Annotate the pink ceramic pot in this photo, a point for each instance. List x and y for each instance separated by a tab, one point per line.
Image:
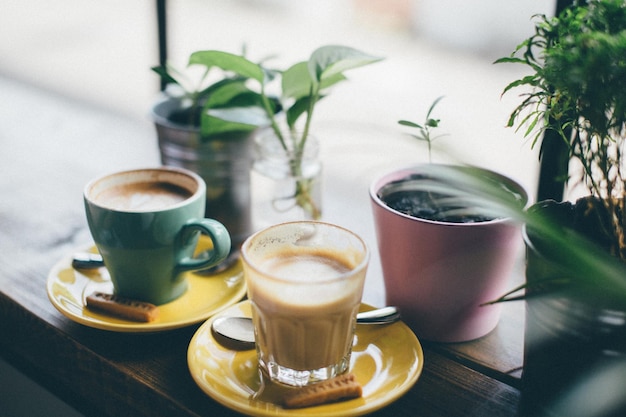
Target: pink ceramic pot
439	273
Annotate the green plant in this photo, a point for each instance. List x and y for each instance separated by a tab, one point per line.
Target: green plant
590	265
301	86
215	88
425	129
577	84
438	202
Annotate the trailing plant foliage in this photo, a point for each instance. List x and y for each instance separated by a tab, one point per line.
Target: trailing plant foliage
583	264
577	88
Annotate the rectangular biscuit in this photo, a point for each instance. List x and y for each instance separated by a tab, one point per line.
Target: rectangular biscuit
123	307
342	387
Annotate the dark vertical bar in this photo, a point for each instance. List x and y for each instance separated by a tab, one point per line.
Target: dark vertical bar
162	31
553	167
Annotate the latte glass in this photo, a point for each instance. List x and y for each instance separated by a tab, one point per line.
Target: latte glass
146	224
305	283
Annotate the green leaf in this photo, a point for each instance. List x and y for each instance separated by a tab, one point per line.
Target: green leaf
510	60
228	62
410	124
251	116
527	80
332	80
228	92
433	122
165	75
243	119
331	60
296	81
422	138
212	126
430	110
300	107
218	85
531	126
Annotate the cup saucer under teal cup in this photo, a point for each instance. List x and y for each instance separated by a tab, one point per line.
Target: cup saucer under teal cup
147	252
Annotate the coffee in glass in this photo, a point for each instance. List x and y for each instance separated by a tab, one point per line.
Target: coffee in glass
305	282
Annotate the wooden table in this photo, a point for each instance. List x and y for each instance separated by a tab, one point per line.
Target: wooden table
49	148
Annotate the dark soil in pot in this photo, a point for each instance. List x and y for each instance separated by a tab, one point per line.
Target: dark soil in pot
407	197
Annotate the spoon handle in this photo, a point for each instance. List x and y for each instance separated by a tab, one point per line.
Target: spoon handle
379	316
87	261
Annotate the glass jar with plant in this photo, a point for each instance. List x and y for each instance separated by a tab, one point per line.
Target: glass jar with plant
300	87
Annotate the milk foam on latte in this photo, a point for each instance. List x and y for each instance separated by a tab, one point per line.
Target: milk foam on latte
142	196
304	267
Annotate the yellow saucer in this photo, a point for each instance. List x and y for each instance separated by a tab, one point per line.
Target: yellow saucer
207	294
386	360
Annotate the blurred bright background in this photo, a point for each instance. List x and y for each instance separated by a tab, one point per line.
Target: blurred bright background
99	53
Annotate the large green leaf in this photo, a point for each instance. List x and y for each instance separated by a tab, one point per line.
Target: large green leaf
233	119
297	82
232	94
331	80
249	116
210	89
328	61
213	126
228	62
300	107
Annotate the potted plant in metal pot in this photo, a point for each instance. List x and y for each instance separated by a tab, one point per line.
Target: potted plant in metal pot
286	157
220	151
443	256
576	91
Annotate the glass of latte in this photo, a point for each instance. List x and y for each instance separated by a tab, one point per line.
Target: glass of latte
305	283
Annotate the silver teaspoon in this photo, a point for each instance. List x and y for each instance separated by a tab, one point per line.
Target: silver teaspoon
238	332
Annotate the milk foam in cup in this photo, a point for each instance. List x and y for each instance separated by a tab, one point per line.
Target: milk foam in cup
305	283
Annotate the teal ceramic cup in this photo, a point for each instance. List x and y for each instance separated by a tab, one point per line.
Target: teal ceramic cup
146	224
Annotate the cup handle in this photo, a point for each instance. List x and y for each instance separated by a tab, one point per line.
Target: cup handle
219	237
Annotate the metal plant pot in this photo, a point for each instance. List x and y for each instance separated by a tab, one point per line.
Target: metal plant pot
223	162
